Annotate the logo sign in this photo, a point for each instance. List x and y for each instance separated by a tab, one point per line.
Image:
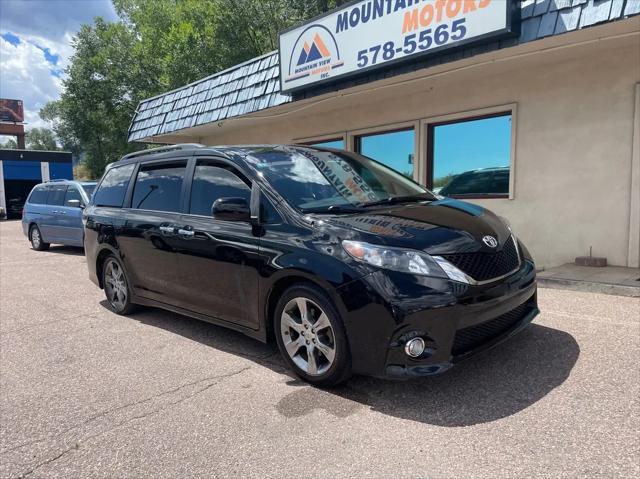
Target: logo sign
490	241
11	111
371	34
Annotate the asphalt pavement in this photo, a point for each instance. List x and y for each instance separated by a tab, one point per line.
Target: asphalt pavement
87	393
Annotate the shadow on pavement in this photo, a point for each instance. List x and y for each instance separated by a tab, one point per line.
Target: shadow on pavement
69	250
485	388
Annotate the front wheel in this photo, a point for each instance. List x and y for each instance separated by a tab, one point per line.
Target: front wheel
116	287
311	336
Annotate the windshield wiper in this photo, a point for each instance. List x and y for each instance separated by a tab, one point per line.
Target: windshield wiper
391	200
333	209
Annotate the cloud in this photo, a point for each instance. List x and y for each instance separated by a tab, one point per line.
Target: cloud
35	47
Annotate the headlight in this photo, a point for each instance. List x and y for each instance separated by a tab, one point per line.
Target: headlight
403	260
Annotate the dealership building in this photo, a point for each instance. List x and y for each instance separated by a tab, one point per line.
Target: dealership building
530	108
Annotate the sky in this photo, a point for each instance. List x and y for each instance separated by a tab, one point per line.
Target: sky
35	47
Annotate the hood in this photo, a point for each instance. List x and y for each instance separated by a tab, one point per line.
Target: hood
439	227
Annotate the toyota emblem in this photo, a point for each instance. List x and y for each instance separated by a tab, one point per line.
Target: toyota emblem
490	241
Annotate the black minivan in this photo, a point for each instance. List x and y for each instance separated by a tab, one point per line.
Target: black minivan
350	266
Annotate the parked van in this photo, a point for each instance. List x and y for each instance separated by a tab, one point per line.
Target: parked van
349	265
53	213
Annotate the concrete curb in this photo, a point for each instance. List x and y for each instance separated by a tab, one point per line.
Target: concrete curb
590	287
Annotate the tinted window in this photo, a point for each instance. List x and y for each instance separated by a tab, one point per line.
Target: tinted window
158	187
113	186
472	157
39	196
211	182
394	149
72	194
56	195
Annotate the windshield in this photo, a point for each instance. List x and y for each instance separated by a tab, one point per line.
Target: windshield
88	188
313	180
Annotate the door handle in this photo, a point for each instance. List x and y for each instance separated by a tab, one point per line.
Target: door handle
167	229
187	233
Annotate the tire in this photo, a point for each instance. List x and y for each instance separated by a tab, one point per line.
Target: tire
116	286
318	354
36	239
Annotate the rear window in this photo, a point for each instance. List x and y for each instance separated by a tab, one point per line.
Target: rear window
113	187
56	195
38	196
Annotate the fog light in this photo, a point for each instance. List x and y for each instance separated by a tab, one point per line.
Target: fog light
414	347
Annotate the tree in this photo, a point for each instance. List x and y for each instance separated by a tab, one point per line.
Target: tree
10	144
41	139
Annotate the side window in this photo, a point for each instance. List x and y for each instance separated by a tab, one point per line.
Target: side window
113	186
72	194
158	187
211	182
56	195
39	195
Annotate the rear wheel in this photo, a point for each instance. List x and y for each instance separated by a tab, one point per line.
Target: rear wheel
36	239
116	286
311	336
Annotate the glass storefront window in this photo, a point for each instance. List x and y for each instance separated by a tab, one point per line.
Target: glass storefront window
330	144
471	158
394	149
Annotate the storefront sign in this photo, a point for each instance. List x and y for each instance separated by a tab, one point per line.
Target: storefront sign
371	34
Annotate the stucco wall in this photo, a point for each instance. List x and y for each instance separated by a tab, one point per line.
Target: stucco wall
573	150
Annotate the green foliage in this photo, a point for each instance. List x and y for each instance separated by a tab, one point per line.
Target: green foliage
10	144
157	45
41	139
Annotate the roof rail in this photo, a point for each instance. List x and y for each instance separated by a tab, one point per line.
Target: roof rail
163	149
59	179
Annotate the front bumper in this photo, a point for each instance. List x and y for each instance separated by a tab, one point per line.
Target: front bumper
385	309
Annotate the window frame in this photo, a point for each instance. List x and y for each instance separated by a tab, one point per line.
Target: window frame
53	187
312	140
41	187
238	169
427	127
126	192
355	138
219	163
134	176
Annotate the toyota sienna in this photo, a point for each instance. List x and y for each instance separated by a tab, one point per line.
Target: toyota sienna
348	265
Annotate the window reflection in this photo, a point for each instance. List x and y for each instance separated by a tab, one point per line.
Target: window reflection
314	180
472	157
394	149
159	188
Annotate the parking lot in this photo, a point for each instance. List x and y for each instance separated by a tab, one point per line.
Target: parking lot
86	393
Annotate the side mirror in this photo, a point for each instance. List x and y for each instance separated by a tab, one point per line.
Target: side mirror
75	204
231	209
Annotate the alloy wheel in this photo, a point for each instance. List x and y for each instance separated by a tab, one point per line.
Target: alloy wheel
115	285
35	238
308	336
